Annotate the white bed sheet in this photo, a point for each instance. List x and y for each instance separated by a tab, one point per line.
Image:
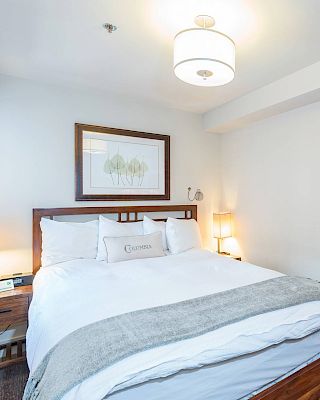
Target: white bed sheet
73	294
234	379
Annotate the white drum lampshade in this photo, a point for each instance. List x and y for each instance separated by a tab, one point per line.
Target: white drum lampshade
204	57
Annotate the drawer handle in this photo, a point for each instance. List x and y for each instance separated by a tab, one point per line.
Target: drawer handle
5	310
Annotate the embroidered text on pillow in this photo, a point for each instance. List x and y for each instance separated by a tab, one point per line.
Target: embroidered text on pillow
128	248
133	247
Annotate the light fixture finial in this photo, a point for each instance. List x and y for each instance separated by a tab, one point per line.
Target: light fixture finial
204	21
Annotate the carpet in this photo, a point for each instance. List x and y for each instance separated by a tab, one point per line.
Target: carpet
12	381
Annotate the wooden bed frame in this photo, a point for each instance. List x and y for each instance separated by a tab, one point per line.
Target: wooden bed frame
302	385
122	213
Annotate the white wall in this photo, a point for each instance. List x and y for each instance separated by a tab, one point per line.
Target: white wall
271	180
37	158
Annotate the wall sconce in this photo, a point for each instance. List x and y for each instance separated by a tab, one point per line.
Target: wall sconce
197	196
222	228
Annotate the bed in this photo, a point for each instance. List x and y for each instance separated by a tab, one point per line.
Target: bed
269	356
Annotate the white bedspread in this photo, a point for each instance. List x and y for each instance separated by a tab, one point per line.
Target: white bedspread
70	295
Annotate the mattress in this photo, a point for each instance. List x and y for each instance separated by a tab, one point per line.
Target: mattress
76	293
238	378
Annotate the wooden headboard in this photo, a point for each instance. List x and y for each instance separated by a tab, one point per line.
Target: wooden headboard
122	213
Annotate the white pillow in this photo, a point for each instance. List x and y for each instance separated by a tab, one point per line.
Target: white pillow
110	228
182	235
64	241
151	226
132	247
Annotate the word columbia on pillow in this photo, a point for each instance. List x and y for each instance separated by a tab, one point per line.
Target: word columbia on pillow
128	248
133	247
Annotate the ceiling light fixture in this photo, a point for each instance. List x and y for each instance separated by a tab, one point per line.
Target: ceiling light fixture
204	56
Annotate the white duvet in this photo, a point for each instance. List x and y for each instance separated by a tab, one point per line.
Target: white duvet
72	294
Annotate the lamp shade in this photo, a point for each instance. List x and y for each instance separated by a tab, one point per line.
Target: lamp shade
222	225
204	57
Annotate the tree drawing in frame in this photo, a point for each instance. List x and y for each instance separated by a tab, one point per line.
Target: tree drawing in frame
125	172
118	164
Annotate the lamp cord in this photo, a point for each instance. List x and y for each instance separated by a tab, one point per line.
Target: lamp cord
5	330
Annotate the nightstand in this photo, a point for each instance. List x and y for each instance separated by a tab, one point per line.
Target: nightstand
14	306
238	258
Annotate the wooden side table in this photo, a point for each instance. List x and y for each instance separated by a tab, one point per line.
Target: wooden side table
14	306
238	258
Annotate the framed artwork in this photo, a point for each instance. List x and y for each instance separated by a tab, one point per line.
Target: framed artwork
118	164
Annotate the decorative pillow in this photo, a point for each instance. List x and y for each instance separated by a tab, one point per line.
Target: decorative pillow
182	235
151	226
64	241
110	228
133	247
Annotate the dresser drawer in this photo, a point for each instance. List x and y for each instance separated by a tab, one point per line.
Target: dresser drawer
13	310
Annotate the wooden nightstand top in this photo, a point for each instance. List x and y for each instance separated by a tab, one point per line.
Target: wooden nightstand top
238	258
16	292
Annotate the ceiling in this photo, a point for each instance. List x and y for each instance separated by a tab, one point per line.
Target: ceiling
63	42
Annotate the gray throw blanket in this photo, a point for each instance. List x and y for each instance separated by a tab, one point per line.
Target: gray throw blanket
92	348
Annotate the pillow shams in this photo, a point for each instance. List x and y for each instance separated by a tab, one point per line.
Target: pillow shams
133	247
64	241
110	228
151	226
182	235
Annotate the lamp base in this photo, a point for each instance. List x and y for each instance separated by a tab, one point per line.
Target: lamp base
224	253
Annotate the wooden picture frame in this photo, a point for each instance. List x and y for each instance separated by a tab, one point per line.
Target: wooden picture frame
118	164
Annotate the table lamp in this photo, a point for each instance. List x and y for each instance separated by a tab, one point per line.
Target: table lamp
222	227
